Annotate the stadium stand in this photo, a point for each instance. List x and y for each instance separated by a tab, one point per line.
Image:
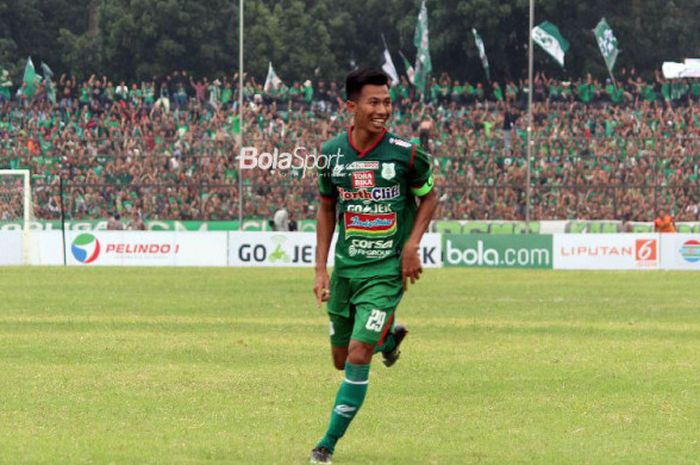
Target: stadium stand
167	150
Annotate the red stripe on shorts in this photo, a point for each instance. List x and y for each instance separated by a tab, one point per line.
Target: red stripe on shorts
386	329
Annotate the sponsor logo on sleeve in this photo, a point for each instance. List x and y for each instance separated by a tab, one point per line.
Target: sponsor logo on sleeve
370	225
400	142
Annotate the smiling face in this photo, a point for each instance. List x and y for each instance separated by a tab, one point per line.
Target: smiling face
371	109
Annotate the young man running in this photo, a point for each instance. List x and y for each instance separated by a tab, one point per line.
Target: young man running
372	189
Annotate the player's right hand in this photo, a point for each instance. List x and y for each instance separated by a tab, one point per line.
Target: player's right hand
322	287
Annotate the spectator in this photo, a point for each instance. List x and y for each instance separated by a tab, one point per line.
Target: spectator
281	219
664	223
114	223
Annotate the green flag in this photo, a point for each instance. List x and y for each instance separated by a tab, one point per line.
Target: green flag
547	36
482	52
48	83
409	68
30	79
420	40
607	43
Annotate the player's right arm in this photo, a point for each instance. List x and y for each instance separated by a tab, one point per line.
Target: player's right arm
325	225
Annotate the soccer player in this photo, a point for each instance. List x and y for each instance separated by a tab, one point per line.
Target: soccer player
380	188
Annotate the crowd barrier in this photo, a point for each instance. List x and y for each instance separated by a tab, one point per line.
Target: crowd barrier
647	251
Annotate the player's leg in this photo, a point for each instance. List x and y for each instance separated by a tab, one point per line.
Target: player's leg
341	331
341	315
374	303
340	355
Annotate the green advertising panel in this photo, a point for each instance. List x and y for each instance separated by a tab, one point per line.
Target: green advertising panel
156	225
484	227
497	250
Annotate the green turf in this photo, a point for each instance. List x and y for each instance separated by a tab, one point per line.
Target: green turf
227	366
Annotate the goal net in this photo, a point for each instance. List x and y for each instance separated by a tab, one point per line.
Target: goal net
16	209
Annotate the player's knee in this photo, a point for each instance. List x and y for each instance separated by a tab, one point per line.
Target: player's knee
360	353
339	364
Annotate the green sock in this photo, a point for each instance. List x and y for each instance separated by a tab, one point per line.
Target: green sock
388	344
348	401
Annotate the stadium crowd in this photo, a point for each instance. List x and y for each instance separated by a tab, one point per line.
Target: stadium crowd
166	149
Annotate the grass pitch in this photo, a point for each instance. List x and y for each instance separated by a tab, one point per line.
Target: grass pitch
231	366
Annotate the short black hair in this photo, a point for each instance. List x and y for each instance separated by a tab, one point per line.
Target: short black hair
359	78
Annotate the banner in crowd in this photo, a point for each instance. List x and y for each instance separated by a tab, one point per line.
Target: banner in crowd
690	68
606	251
680	252
497	251
299	249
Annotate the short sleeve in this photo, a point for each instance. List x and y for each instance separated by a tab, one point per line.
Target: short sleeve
420	172
325	184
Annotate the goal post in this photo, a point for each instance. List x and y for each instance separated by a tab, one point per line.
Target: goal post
16	205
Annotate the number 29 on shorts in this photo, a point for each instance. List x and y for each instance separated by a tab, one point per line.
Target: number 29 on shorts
375	322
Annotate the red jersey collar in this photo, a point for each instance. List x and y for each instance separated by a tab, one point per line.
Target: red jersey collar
362	153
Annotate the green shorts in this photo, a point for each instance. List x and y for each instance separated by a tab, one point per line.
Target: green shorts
363	308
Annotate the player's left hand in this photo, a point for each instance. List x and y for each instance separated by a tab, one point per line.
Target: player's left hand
410	265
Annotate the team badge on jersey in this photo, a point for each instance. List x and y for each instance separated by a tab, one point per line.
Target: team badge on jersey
388	171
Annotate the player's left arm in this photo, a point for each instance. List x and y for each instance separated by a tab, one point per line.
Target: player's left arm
421	182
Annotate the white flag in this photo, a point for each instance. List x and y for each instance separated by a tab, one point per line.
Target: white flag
389	67
272	80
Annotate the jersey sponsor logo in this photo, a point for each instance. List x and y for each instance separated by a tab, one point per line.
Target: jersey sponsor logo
371	208
362	165
370	248
362	179
400	142
375	194
388	171
370	244
373	225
